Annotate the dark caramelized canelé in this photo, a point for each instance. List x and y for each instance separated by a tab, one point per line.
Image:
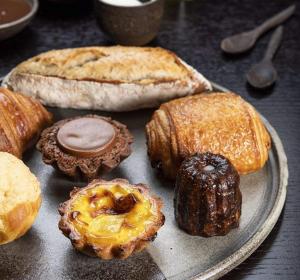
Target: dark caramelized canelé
207	195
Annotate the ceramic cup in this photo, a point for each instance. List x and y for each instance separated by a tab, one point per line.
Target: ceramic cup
130	25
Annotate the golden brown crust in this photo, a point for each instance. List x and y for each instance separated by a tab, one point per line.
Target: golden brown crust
114	65
21	120
109	251
113	78
19	220
20	198
221	123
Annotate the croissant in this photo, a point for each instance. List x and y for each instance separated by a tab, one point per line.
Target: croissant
21	121
221	123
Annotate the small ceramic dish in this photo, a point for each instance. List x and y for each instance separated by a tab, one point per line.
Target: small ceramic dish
10	29
130	25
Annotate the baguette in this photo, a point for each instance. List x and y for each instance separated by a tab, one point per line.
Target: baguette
106	78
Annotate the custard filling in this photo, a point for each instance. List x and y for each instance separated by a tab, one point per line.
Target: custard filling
111	214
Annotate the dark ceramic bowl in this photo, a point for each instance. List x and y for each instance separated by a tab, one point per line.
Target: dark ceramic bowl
10	29
133	26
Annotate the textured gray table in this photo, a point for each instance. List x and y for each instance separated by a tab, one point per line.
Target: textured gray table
194	32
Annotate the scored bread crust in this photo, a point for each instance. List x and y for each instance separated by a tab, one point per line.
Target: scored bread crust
110	251
17	214
106	78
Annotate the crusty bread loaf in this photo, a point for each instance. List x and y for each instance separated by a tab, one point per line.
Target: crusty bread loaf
106	78
20	198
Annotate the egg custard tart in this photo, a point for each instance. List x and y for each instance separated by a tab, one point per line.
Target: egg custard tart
111	219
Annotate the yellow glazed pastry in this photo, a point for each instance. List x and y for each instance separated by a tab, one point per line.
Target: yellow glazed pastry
20	198
111	219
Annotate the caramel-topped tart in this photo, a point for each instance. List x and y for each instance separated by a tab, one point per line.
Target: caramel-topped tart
86	137
85	147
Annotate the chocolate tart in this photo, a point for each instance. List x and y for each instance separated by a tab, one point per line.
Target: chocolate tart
111	219
85	146
207	195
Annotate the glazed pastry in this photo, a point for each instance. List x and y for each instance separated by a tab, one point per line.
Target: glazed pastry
21	121
20	198
221	123
86	146
111	219
207	195
106	78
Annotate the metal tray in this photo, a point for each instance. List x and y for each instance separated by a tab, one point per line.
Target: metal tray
44	253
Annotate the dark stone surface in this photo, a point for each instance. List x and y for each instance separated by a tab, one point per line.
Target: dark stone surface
194	31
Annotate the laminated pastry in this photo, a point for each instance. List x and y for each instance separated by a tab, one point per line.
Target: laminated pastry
221	123
20	198
85	146
106	78
21	120
111	219
207	196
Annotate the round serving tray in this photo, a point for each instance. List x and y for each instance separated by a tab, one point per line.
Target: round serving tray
44	253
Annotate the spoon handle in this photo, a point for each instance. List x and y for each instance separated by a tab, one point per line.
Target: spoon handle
275	20
274	43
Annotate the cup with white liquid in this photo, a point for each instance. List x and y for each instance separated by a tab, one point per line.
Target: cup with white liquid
130	22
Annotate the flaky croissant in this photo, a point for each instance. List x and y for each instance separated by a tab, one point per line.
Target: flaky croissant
21	120
221	123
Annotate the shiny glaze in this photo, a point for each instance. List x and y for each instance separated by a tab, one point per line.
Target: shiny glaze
207	195
85	137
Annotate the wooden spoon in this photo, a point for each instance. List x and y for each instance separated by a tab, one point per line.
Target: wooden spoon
244	41
263	74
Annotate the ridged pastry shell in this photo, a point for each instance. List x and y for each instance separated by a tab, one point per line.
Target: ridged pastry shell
111	219
20	198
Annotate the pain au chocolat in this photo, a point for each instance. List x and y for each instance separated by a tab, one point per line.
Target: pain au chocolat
221	123
111	219
86	146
